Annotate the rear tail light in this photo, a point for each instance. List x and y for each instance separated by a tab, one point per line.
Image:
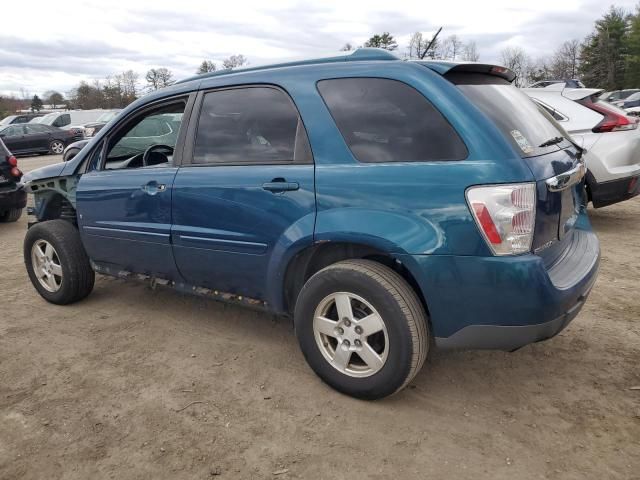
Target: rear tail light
505	214
13	161
16	172
613	121
632	185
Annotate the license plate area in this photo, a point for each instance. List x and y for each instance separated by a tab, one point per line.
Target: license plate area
568	211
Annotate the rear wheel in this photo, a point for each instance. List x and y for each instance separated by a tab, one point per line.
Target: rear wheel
11	215
57	263
361	328
56	147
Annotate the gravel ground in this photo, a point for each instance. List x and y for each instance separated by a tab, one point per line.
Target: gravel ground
141	383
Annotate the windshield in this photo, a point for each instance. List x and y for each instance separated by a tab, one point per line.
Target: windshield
530	129
46	120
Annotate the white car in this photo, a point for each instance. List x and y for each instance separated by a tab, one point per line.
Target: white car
610	137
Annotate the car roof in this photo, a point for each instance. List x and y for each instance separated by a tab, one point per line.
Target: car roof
362	55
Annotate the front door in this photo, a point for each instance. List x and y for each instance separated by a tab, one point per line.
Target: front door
14	138
124	204
245	192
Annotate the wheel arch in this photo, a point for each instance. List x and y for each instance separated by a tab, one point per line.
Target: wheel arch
314	258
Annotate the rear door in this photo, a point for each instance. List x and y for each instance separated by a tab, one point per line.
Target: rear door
124	205
246	191
38	137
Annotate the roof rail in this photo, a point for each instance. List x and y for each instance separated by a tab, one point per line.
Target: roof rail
360	54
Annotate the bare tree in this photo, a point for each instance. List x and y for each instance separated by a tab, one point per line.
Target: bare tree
566	60
234	61
470	52
421	47
159	78
206	66
347	47
451	48
517	60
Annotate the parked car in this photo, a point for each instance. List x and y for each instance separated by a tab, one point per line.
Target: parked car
20	118
35	138
618	97
74	120
90	129
385	205
569	83
13	198
611	138
632	101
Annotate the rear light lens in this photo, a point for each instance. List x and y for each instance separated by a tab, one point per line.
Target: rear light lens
13	161
15	172
505	214
613	121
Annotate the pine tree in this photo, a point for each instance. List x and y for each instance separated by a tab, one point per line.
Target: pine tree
36	104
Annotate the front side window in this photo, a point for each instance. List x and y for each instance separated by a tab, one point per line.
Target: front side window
385	120
35	128
254	125
147	140
13	131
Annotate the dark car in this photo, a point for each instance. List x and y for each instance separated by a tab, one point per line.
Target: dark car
20	118
90	129
632	100
13	198
36	138
387	206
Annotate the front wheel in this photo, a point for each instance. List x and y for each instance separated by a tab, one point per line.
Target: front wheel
361	328
57	263
56	147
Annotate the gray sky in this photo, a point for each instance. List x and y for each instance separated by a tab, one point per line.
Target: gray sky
46	44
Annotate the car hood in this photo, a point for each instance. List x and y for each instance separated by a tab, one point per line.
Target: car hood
49	171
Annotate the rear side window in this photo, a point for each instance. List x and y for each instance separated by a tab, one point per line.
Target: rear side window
524	123
386	120
253	125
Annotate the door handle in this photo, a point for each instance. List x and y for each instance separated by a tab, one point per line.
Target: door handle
278	185
153	187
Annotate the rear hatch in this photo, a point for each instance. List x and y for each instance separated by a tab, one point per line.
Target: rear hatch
10	175
547	149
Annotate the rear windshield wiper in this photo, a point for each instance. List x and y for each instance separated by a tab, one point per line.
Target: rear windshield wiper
551	141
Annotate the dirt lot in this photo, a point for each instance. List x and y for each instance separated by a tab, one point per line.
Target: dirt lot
137	383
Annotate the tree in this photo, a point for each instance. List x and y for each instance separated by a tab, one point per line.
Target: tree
603	56
385	41
53	98
206	66
566	60
36	104
632	67
347	47
517	60
470	52
159	78
421	47
234	61
451	48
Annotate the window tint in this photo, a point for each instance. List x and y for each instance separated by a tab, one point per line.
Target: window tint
156	127
388	121
35	128
523	122
551	111
250	125
13	131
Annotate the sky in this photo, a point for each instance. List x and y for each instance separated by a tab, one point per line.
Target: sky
47	45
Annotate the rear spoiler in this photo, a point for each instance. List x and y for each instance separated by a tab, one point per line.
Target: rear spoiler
444	68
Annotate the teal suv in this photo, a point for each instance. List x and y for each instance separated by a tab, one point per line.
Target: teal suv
387	206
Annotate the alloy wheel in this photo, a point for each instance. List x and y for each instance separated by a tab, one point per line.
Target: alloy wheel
46	265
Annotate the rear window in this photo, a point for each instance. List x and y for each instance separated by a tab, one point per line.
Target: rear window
385	120
524	123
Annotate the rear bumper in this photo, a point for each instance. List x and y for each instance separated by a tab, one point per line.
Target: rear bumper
12	199
505	303
614	191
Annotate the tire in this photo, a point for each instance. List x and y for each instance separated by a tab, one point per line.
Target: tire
372	289
70	154
11	215
68	257
56	147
